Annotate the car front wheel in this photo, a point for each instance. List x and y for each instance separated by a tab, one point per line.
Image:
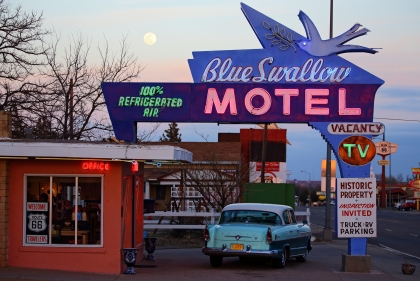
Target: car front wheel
302	258
216	261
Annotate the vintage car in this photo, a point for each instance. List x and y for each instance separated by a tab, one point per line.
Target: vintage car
408	205
254	230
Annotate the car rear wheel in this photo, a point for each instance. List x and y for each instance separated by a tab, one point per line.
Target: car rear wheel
216	261
280	262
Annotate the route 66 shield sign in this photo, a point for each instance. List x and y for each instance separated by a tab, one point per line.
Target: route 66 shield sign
37	222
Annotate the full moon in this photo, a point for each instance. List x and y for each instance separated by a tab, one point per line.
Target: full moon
149	38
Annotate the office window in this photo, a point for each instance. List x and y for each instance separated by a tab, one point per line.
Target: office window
63	210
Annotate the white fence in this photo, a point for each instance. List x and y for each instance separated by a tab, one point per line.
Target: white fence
207	218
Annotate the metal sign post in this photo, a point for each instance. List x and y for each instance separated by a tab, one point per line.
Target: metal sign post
384	149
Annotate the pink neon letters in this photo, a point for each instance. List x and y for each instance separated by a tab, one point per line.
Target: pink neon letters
286	93
212	98
312	98
342	110
258	92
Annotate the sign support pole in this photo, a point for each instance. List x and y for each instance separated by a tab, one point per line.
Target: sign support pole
327	229
264	151
383	201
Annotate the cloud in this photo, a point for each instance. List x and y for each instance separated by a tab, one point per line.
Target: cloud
397	103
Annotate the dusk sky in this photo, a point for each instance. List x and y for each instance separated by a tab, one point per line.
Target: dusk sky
185	26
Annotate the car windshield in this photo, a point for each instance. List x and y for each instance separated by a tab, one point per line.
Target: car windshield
249	216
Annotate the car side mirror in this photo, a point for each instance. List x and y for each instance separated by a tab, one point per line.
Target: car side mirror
305	222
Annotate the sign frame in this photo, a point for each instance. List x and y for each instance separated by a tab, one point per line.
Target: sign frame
385	148
356	208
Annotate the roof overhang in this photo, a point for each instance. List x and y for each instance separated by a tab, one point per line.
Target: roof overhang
75	151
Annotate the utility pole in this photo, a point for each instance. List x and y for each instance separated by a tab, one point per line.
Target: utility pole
383	200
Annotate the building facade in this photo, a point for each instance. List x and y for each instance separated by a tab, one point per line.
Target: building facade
70	205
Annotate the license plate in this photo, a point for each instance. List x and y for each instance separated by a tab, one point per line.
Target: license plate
238	247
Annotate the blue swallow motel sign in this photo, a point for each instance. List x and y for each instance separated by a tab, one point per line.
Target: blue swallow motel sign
291	79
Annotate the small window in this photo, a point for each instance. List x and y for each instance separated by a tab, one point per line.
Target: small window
249	217
160	192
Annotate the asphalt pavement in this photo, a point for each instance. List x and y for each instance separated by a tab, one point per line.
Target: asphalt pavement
323	263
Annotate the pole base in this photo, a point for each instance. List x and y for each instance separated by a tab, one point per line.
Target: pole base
355	263
150	257
327	234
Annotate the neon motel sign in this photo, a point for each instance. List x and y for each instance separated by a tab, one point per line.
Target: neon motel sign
313	98
290	79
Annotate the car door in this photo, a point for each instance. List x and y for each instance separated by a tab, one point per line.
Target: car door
294	233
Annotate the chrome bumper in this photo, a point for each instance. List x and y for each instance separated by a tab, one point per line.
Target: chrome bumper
234	253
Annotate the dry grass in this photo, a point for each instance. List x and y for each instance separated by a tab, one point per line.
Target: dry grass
177	238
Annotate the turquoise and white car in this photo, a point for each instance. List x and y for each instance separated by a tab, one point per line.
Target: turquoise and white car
254	230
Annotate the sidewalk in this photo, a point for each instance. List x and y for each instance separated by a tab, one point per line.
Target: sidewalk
323	263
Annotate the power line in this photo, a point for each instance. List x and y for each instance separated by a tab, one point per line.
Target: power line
395	119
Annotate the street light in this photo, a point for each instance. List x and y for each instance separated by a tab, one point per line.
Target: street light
288	173
309	187
307	173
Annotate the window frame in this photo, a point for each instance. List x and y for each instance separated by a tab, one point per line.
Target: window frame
51	176
292	216
286	218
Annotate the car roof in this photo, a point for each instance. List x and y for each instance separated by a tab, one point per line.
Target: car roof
258	206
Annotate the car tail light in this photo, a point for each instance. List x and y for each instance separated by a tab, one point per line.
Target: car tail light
206	233
269	236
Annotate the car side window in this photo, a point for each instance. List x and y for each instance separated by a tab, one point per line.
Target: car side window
278	220
292	216
286	218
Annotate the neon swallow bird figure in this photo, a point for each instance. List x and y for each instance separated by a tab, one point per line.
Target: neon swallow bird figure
315	46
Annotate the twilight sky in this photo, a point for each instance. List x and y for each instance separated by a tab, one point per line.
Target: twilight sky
184	26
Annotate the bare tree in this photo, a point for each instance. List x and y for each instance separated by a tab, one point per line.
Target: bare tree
21	43
54	95
399	178
145	135
21	51
409	178
218	182
76	108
